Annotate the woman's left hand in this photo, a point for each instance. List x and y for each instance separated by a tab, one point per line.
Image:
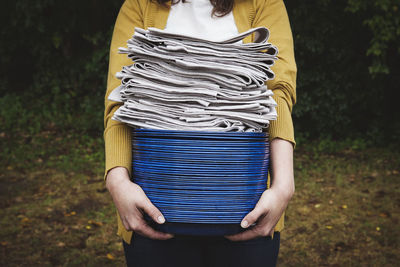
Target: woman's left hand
265	215
274	200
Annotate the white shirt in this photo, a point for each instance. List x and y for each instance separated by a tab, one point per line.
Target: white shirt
193	18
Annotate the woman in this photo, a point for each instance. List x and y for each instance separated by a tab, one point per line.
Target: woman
258	245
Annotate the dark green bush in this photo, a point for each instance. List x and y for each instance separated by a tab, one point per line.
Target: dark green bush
54	58
346	68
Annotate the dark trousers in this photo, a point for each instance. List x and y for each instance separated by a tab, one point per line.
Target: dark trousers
196	251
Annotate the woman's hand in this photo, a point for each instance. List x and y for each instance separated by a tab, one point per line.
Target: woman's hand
131	203
265	215
262	219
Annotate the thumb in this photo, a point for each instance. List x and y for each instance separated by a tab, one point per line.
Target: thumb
251	217
153	212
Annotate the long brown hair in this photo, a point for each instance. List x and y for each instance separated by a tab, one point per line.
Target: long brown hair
220	7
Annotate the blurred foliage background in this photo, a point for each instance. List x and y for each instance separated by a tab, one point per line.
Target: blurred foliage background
54	59
54	208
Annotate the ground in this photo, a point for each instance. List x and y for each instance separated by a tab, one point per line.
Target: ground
55	210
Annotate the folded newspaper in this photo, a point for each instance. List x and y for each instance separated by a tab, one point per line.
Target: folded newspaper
178	82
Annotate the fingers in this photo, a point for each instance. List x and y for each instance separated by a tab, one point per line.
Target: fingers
252	217
152	211
132	202
156	215
253	232
147	231
139	225
257	215
246	235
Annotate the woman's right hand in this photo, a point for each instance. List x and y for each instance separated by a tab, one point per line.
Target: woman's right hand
131	203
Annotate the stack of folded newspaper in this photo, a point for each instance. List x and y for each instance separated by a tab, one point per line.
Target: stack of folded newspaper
179	82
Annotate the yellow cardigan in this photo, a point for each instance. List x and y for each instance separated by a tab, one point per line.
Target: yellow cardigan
247	14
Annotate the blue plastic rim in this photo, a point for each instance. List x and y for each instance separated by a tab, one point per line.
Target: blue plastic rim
203	182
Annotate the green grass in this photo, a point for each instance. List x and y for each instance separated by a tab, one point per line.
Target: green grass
55	210
345	209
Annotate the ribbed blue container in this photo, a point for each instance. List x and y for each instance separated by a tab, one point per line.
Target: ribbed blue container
204	183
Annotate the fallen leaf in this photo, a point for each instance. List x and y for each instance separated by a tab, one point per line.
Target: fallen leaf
329	227
344	206
317	205
61	244
378	228
88	227
4	243
72	213
95	223
110	256
384	214
25	220
395	172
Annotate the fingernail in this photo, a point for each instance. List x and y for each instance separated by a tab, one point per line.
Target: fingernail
244	224
160	219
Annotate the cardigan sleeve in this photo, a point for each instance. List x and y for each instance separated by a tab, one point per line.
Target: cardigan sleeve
117	135
272	14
